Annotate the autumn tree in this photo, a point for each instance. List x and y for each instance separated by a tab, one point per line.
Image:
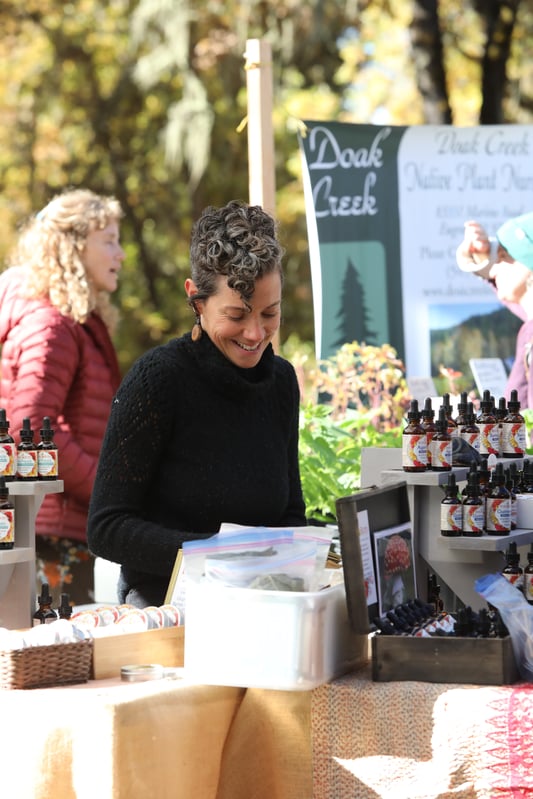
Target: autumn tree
145	99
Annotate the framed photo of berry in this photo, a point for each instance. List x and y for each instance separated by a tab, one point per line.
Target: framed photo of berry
395	566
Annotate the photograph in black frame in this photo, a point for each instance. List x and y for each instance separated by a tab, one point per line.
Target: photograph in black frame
387	507
395	566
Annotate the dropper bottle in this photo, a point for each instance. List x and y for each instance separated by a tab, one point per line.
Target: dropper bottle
512	570
64	610
473	508
469	431
427	422
528	577
7	517
414	442
26	453
462	407
44	614
498	504
514	429
8	449
47	456
489	434
451	509
448	408
441	445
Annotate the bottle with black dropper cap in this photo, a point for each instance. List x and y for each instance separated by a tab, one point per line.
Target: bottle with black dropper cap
462	407
8	449
512	571
64	610
47	456
414	442
500	412
514	429
509	484
427	422
44	613
498	504
473	507
472	469
441	445
526	481
7	517
448	408
469	430
489	436
451	509
528	577
26	453
483	473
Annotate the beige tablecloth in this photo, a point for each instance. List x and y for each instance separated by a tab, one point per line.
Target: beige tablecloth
166	739
417	740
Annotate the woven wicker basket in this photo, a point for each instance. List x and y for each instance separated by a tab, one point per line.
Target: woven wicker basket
45	666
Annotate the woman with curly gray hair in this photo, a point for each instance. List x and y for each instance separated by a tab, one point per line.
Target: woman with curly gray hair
58	360
204	429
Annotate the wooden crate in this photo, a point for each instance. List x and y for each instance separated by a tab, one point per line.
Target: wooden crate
477	661
110	653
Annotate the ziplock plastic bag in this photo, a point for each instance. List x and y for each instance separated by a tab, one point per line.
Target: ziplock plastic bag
254	558
282	567
517	615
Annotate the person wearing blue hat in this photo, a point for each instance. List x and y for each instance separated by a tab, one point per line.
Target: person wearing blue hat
507	263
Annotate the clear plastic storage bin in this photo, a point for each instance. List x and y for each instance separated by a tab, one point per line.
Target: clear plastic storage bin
269	639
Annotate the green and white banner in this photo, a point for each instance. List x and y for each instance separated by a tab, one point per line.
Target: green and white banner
386	207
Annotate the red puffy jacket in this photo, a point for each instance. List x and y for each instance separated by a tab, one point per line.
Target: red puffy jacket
53	366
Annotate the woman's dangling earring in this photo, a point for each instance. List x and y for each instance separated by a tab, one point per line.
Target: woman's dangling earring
196	333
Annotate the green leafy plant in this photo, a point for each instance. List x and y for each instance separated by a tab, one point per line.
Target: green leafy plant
330	455
363	397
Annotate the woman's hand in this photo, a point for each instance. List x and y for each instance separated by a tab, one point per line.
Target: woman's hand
473	254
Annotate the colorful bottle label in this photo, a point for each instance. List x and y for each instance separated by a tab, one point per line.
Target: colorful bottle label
451	517
515	578
514	438
498	514
473	519
27	464
441	453
47	462
429	439
489	438
414	450
7	526
8	459
472	439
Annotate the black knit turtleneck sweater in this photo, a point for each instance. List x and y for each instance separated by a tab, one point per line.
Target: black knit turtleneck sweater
193	441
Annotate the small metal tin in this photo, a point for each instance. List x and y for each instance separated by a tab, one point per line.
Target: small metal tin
142	672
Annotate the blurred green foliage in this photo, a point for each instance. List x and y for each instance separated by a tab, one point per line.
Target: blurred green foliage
364	405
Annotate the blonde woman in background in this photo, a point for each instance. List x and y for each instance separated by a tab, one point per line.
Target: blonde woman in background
58	360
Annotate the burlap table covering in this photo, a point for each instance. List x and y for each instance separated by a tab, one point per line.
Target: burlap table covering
415	740
166	739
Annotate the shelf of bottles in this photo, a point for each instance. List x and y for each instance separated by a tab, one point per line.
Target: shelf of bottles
17	565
